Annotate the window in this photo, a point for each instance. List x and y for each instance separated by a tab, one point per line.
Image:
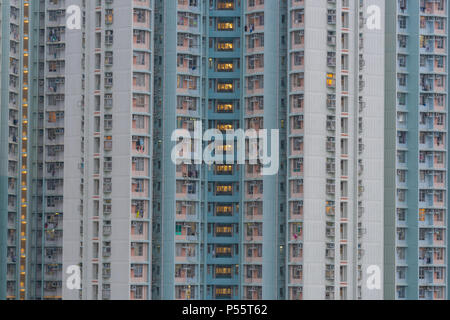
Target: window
140	79
401	137
401	253
401	176
140	58
138	228
140	15
401	195
439	156
138	249
225	26
224	189
139	164
401	79
401	214
225	46
109	16
401	156
223	292
109	37
401	234
225	87
139	36
138	185
225	67
139	121
138	270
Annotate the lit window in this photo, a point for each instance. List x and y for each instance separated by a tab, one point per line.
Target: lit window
225	67
225	26
225	46
224	107
224	127
224	87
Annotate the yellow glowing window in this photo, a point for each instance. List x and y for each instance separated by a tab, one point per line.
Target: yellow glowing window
330	79
223	291
224	107
225	5
422	215
224	209
225	87
224	229
225	148
52	116
224	127
109	16
225	26
224	188
223	250
225	67
223	271
225	46
224	168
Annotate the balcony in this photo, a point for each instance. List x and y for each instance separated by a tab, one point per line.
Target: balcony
141	39
297	19
141	18
253	211
188	22
186	232
140	145
140	188
139	252
185	274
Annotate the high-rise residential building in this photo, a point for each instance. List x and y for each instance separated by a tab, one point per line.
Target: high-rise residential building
14	115
311	70
32	149
209	220
87	120
108	183
20	234
47	144
416	164
335	150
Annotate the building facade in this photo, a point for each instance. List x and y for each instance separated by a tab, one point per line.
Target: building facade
33	111
416	163
19	87
108	185
335	150
227	231
87	122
